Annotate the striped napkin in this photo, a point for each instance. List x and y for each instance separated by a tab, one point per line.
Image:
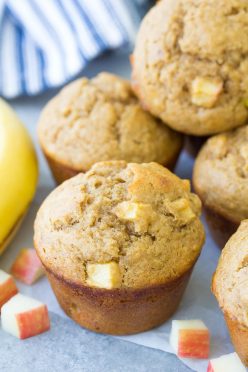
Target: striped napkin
45	43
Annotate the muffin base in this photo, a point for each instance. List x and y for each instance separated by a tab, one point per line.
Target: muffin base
62	172
220	227
59	171
239	336
118	311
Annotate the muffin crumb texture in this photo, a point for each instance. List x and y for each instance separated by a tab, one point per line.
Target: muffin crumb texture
196	82
101	119
221	173
120	225
230	284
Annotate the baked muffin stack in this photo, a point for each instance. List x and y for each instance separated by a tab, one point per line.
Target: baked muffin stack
119	240
190	69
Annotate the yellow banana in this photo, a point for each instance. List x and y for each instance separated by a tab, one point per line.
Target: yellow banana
18	173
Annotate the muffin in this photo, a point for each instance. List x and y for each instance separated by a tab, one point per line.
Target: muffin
101	119
119	243
230	287
220	178
190	64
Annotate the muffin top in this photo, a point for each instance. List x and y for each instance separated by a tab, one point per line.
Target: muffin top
221	174
101	119
136	224
190	64
230	283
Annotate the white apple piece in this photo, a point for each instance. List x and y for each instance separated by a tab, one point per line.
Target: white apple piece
181	207
24	317
206	91
106	275
190	339
226	363
139	213
7	287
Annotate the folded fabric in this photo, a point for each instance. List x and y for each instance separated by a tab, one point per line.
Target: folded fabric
44	44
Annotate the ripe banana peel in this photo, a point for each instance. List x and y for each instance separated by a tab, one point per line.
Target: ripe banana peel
18	173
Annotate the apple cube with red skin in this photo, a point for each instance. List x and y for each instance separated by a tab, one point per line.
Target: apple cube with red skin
190	339
24	317
7	287
27	267
226	363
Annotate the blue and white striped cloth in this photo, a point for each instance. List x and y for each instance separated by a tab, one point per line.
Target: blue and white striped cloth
45	43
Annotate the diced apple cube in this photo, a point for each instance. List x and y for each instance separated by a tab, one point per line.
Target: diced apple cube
190	339
129	210
226	363
104	275
205	91
183	209
27	267
138	213
24	317
7	287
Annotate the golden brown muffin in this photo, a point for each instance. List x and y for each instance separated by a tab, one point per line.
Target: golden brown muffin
220	178
119	243
230	287
190	65
101	119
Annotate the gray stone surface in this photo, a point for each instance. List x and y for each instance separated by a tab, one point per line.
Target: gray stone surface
68	347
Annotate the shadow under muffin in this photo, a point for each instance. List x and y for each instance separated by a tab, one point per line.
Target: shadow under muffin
193	144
